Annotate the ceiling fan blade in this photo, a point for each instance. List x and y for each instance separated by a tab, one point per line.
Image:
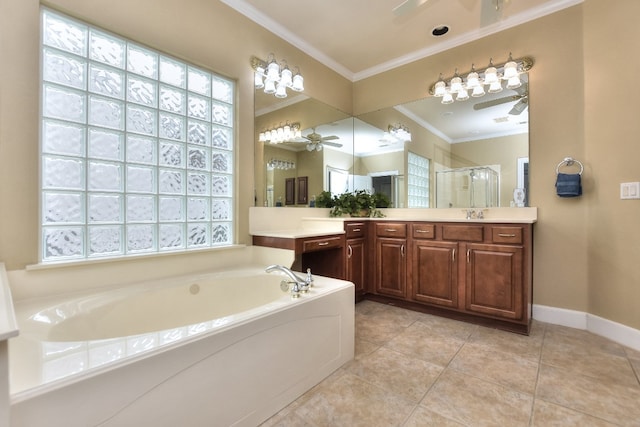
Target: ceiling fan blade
519	107
329	138
332	144
407	7
494	102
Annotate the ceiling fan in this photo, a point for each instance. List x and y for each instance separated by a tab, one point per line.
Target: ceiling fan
522	96
490	10
315	141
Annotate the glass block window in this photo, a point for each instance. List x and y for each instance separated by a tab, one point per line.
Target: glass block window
137	147
418	181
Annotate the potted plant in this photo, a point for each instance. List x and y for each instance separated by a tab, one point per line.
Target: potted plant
325	200
359	203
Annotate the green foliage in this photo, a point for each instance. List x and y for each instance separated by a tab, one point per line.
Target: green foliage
325	200
359	203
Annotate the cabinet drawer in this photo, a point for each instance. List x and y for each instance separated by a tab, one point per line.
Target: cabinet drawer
391	230
354	230
506	235
468	233
423	231
321	244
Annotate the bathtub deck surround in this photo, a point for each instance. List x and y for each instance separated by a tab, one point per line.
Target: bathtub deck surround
223	341
8	329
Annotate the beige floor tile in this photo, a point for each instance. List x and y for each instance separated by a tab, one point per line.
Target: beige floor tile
351	401
366	306
422	417
369	328
546	414
608	400
527	347
476	402
449	327
580	340
498	366
405	376
288	419
472	376
393	315
423	342
362	347
594	361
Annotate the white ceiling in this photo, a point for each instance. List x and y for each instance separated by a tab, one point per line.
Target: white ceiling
379	39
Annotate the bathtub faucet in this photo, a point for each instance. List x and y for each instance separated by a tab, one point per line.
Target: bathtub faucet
299	284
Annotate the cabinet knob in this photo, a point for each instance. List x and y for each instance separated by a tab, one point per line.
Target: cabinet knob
506	235
422	231
349	251
323	243
355	230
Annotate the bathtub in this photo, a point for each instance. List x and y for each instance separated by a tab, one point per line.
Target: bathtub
220	349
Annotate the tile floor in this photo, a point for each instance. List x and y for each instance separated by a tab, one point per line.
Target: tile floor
413	369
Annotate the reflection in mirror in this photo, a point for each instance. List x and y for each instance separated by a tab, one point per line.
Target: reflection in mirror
471	153
474	153
325	142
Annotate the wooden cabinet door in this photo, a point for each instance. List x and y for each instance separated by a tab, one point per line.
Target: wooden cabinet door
289	191
303	188
391	266
355	264
494	280
434	272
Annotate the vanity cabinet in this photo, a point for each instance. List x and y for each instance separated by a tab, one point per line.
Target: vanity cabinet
471	271
324	254
390	265
356	255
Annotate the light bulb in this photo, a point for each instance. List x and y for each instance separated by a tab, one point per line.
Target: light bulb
440	89
298	83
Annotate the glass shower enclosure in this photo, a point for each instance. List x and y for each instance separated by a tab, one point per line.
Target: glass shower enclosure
471	187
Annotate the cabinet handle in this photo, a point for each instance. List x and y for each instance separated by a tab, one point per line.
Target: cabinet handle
349	251
468	255
453	255
323	243
390	230
355	230
506	235
402	250
423	231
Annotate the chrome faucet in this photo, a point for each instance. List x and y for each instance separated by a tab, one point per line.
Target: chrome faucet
299	284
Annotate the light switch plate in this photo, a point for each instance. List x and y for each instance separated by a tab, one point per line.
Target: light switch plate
630	190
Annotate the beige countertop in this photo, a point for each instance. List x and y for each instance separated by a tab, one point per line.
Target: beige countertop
305	222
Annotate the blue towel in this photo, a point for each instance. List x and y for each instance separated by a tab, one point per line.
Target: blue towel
568	185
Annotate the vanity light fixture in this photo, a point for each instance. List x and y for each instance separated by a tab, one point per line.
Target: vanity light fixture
277	77
281	134
493	77
400	132
281	164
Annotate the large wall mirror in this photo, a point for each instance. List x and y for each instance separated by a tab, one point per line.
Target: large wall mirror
472	153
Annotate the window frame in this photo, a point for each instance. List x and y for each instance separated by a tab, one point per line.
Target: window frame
176	141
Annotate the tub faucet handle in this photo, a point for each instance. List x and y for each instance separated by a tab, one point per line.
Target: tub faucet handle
309	279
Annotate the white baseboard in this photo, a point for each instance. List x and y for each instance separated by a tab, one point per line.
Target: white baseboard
614	331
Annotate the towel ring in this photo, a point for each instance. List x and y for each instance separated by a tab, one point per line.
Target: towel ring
569	161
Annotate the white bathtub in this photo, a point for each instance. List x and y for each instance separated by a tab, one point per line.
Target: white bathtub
213	350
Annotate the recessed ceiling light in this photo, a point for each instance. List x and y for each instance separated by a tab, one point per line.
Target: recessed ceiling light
440	31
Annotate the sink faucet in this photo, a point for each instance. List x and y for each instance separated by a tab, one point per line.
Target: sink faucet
299	284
